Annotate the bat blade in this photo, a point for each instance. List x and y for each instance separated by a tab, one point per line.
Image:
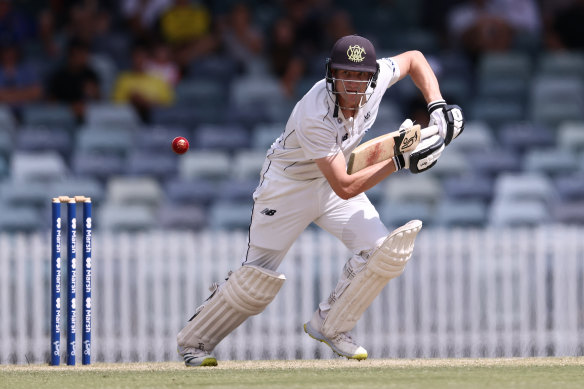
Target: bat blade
386	146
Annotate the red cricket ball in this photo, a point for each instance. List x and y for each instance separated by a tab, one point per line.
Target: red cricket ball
180	145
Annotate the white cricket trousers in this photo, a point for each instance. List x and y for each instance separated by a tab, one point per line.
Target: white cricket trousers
283	208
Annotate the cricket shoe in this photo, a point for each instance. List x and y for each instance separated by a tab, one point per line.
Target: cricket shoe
343	343
197	357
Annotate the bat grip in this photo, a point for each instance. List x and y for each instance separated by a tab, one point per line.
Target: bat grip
428	131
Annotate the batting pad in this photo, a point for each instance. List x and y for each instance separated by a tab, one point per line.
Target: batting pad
387	262
247	292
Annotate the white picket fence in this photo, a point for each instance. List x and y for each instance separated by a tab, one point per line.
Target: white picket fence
465	293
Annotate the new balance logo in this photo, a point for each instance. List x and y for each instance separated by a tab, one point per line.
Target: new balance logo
268	212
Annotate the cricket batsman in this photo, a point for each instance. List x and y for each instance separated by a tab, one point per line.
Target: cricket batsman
304	179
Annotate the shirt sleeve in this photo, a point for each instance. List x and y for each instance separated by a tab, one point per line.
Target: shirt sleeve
389	72
316	140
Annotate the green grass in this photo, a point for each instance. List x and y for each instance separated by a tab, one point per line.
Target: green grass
532	373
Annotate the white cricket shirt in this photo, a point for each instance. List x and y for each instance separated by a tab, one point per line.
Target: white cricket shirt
312	132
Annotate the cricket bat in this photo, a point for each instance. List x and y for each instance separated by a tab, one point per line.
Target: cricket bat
387	146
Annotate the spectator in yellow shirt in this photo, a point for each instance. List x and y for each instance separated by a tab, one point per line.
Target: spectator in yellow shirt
140	88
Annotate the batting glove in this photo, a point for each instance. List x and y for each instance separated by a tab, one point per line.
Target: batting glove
448	118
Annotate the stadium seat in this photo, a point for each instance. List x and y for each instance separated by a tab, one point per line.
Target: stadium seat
20	219
237	189
497	111
264	134
50	115
191	191
477	135
124	217
221	137
229	215
205	164
506	64
7	122
99	166
256	92
25	193
395	213
451	163
565	63
570	187
42	138
571	136
104	140
4	168
569	212
522	136
550	161
221	68
200	92
518	187
248	163
412	187
6	143
469	213
134	190
111	115
497	87
494	161
558	98
469	187
45	165
158	138
84	186
181	217
518	213
148	163
107	71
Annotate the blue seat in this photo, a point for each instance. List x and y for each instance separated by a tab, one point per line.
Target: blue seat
159	165
570	187
25	193
134	190
229	215
412	187
519	213
497	111
20	219
248	163
104	140
550	161
265	134
522	136
237	189
556	98
505	64
4	168
571	136
42	165
256	92
492	162
221	137
50	115
396	213
477	135
200	92
469	213
97	165
181	217
561	62
84	186
221	68
569	212
212	164
524	186
107	71
193	191
469	187
43	138
158	138
6	142
451	163
7	122
497	87
111	115
124	217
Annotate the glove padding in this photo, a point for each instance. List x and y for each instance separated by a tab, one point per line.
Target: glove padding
423	157
448	118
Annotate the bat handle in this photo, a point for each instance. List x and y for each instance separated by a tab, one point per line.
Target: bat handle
428	131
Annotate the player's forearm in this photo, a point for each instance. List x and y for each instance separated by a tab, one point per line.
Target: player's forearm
349	186
423	77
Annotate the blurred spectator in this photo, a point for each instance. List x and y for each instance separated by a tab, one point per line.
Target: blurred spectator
19	84
75	82
15	26
187	27
161	64
140	88
479	26
241	39
565	26
142	16
286	59
339	24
